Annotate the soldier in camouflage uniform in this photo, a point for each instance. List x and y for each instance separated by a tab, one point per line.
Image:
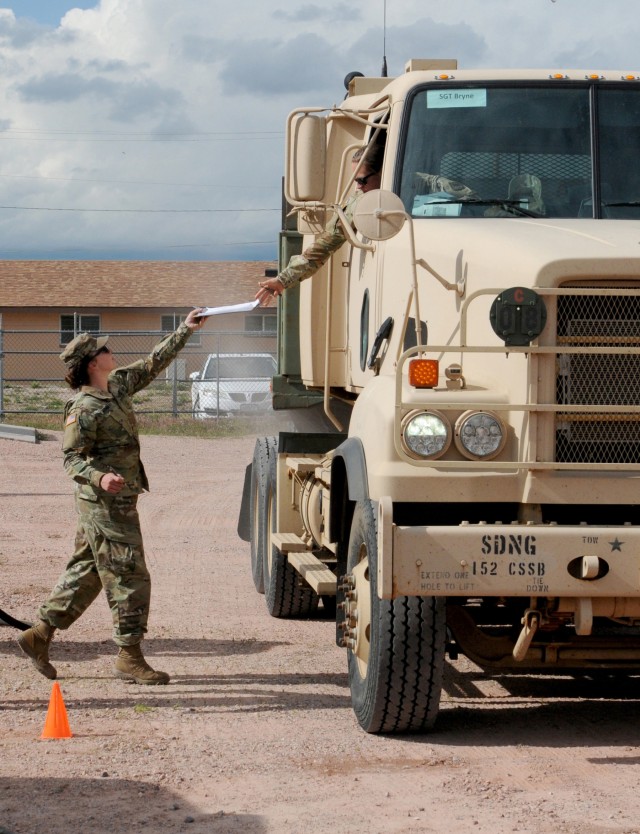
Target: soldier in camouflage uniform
102	454
368	164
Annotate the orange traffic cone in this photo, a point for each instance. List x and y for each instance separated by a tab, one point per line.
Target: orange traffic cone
56	724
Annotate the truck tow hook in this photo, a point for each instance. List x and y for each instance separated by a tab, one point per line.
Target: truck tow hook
530	624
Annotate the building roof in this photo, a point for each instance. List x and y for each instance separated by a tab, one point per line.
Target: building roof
129	283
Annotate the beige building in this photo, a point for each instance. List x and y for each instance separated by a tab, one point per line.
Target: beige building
54	299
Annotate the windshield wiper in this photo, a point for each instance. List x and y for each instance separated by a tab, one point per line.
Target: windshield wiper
507	205
624	203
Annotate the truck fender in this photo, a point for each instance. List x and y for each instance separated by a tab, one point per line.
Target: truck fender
349	484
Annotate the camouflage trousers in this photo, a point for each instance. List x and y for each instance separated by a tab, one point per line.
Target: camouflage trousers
109	554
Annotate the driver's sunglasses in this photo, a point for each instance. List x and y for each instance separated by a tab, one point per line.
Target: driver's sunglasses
363	180
104	349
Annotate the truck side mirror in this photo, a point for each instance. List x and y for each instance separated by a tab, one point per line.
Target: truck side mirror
379	215
306	158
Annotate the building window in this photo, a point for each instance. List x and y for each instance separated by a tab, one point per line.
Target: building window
168	324
71	325
265	321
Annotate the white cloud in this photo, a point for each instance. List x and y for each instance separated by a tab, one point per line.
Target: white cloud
312	13
158	105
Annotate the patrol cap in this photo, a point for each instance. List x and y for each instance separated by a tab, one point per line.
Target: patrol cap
83	346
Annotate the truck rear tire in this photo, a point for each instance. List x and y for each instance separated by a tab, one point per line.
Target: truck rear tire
265	446
396	663
285	591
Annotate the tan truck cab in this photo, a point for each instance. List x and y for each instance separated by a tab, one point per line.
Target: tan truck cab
463	376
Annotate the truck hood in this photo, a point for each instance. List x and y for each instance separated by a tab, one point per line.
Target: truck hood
532	252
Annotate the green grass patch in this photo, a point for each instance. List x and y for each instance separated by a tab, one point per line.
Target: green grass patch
40	422
165	424
185	425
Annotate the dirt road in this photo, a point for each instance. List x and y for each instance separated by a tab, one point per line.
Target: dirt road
255	733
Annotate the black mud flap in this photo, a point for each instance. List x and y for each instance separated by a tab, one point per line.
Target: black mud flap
244	521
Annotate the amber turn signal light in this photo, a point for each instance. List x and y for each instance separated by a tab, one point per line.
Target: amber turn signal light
423	373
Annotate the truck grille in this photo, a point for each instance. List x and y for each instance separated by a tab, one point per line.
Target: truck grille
611	379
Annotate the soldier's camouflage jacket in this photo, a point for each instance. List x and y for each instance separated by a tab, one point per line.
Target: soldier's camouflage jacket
100	429
314	256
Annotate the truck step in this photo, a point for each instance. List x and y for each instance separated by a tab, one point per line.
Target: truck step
315	572
289	542
303	465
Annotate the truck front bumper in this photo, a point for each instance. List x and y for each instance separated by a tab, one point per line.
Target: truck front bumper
493	560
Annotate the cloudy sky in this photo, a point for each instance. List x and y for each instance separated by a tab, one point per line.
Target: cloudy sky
153	129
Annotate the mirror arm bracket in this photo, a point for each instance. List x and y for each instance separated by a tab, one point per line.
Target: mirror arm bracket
459	287
348	230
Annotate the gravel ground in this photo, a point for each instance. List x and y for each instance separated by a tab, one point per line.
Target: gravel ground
255	733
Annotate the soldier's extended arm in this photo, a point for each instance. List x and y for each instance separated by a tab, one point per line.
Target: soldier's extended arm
316	255
139	374
313	257
309	262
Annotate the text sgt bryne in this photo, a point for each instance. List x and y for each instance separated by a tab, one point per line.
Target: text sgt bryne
456	97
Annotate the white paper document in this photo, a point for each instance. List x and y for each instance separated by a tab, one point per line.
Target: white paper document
230	308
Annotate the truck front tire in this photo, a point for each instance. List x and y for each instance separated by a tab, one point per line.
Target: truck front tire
397	649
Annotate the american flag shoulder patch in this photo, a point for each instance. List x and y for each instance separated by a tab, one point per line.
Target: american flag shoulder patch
72	418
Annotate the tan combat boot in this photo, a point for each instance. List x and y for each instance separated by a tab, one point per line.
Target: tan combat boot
131	666
34	642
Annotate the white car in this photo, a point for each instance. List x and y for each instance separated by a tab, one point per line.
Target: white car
232	383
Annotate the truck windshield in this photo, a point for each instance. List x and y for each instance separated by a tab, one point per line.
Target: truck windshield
505	151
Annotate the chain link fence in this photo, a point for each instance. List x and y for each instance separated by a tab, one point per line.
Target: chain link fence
217	374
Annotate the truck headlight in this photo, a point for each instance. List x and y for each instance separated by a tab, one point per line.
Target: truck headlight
425	434
480	435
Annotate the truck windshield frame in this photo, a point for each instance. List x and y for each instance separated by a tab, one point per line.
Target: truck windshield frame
541	149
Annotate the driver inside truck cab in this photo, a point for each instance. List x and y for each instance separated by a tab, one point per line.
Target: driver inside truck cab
368	163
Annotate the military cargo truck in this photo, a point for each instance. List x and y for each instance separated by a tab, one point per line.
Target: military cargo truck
460	384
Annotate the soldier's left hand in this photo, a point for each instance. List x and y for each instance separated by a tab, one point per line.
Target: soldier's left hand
194	320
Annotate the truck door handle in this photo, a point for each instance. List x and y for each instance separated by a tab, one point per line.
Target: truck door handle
384	332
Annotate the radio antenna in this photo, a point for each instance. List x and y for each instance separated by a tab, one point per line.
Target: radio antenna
384	39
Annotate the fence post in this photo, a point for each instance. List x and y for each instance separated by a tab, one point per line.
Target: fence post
218	377
174	382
